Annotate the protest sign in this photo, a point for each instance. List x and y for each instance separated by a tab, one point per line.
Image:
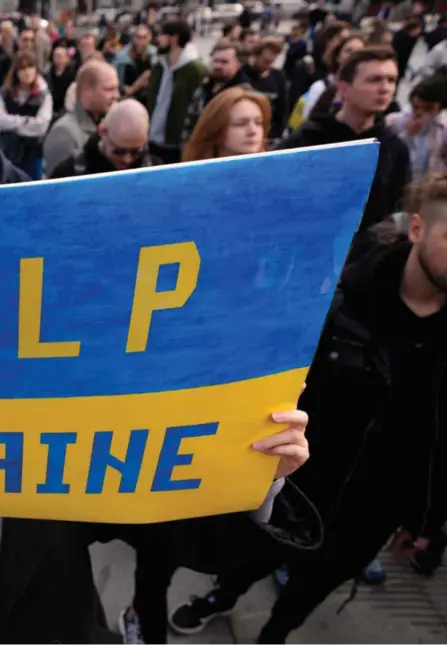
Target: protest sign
152	320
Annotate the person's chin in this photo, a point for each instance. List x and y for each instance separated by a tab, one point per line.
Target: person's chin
251	148
382	106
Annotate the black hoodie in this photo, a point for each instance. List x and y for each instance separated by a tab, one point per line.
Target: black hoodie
393	171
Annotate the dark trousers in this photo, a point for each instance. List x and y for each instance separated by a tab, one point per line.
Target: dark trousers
47	593
209	545
311	578
166	155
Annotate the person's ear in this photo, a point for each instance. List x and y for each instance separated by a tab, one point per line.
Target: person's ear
436	109
416	228
342	88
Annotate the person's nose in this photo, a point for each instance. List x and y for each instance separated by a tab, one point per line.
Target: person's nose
251	129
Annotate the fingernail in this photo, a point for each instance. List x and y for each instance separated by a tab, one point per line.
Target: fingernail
278	416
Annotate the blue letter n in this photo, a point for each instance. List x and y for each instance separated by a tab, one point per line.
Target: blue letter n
102	459
169	457
12	464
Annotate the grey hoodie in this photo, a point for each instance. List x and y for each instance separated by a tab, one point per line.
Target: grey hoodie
165	91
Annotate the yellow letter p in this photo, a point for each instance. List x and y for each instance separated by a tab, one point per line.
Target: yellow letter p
146	297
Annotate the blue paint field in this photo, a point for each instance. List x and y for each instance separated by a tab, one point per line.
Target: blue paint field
272	232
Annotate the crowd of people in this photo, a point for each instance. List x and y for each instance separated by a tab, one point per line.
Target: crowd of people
139	96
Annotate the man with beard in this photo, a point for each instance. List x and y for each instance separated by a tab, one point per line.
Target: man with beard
171	87
381	365
225	72
270	82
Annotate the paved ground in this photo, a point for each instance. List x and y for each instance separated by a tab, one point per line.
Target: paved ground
407	609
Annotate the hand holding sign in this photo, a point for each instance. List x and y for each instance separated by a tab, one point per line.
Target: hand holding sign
290	444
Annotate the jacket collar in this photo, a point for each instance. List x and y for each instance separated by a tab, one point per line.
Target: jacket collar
84	118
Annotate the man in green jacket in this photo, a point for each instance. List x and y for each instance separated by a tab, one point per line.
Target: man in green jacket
172	85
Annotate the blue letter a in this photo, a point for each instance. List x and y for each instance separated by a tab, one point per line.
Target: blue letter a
12	464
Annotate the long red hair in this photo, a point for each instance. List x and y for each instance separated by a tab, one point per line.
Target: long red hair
210	129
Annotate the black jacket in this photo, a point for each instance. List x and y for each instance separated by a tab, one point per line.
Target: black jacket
393	171
91	161
370	470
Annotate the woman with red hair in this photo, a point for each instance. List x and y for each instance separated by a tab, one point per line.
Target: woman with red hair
235	122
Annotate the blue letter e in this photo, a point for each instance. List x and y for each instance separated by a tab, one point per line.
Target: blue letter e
12	464
169	457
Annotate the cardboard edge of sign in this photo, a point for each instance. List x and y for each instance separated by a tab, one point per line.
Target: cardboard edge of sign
237	159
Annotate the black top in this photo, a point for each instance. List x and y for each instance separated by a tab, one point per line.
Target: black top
59	84
273	86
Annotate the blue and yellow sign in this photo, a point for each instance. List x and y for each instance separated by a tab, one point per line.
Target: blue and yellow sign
151	321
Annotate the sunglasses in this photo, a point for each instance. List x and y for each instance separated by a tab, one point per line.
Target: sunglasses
118	151
132	152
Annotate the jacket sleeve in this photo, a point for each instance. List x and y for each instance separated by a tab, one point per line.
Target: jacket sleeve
264	512
58	146
295	522
219	543
9	122
37	126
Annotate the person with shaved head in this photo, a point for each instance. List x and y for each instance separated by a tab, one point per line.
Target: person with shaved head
96	91
120	143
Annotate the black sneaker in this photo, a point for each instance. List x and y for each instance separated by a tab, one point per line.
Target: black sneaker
192	617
